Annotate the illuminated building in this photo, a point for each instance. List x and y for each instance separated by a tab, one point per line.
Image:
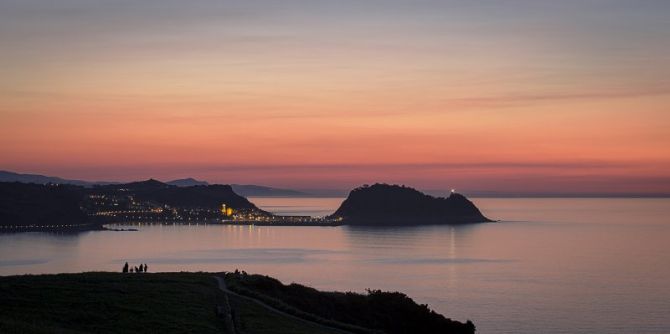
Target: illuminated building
226	211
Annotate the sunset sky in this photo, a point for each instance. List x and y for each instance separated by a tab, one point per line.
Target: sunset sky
515	96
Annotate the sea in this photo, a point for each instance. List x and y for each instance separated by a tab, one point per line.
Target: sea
558	265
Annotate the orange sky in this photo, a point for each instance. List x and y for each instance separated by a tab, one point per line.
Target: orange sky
435	97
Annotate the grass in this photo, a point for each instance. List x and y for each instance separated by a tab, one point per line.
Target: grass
252	318
374	312
99	302
110	303
286	308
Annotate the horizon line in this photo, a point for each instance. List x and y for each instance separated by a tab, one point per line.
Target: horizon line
324	192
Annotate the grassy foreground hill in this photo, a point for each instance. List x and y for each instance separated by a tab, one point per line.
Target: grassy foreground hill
99	302
371	313
109	303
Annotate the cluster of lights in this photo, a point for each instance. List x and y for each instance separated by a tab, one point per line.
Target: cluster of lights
144	212
251	218
41	226
116	213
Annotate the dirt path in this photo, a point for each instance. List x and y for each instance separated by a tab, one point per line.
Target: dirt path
224	288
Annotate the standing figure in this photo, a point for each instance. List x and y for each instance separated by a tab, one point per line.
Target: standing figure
125	268
145	267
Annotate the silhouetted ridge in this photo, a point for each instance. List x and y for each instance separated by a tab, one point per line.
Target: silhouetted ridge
187	182
150	184
210	196
30	206
7	176
373	312
26	204
383	204
201	196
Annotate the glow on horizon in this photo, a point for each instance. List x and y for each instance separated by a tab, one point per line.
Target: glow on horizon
529	96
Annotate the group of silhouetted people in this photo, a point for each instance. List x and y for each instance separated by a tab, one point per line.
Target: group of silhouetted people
143	268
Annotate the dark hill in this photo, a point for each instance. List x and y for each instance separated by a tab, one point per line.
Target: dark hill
383	204
187	182
25	204
30	206
7	176
211	196
374	312
148	185
203	196
245	190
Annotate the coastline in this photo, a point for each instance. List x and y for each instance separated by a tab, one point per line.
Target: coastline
74	228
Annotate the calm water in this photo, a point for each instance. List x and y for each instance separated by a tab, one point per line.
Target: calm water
552	266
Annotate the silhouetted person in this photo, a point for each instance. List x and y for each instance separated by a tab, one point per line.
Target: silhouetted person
145	267
137	270
125	268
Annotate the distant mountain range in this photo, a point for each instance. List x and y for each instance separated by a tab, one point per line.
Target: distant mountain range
260	191
245	190
249	190
6	176
188	182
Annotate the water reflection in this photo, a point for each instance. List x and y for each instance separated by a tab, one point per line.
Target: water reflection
511	277
409	235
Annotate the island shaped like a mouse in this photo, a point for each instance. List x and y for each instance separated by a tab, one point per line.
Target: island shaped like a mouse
384	204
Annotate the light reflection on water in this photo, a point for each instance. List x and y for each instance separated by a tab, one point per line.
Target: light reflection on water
553	266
